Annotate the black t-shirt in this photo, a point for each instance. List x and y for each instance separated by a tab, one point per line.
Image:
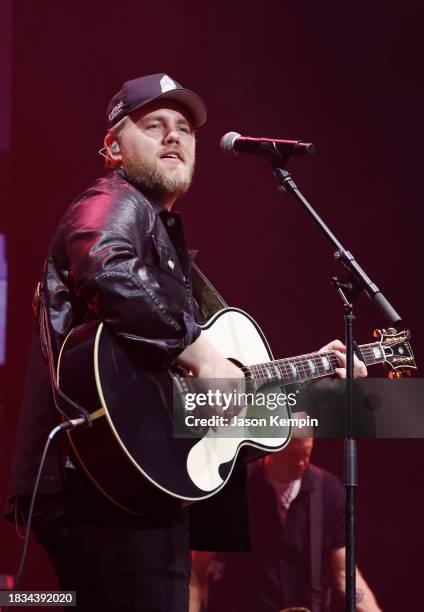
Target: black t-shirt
276	574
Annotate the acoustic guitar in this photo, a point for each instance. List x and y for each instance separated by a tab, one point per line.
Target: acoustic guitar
131	452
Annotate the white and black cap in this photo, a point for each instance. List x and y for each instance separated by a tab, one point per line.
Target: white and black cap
138	92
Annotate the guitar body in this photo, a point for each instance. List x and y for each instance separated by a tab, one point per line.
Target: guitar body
130	452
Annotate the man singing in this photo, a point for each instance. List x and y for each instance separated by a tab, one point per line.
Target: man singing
119	255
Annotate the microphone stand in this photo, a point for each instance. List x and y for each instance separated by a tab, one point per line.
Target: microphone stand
348	290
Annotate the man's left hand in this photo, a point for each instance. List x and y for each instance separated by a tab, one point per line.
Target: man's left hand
339	349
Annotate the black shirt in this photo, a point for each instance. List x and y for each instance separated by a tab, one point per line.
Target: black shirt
276	574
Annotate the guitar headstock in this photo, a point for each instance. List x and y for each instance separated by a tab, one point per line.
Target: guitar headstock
397	351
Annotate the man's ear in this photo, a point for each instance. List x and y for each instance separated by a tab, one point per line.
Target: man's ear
113	149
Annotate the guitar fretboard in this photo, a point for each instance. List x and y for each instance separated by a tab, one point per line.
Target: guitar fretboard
310	366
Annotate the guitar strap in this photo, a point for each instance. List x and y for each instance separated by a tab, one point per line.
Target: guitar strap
64	404
205	294
315	532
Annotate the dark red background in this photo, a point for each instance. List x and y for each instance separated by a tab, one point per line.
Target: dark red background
346	77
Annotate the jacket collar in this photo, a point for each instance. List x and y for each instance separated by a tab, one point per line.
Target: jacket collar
156	205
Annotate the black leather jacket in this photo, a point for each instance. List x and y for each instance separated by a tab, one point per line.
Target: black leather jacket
116	256
121	257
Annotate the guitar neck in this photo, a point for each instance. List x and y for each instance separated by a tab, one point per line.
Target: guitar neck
310	366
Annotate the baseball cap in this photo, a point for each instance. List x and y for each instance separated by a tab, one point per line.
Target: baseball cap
136	93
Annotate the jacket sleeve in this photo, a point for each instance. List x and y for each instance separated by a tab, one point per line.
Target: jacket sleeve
103	240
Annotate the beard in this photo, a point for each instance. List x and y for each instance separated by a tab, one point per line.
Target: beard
158	181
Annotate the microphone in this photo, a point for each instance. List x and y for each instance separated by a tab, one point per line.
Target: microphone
233	143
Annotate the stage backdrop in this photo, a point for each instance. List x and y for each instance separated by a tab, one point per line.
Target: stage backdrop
343	76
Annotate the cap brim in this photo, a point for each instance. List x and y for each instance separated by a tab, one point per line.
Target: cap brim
191	101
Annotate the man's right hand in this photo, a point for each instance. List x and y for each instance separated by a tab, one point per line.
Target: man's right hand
214	372
205	361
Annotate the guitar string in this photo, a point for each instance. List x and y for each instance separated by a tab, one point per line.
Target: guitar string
293	369
288	377
303	359
302	366
302	362
288	374
312	365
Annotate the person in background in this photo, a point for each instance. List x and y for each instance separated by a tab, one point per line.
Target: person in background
288	500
